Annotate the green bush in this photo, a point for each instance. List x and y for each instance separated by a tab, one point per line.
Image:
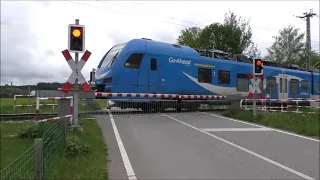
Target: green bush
30	131
75	147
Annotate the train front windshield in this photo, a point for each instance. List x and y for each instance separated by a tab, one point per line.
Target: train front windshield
112	56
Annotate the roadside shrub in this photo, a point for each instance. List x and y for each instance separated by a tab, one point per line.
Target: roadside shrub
75	147
30	131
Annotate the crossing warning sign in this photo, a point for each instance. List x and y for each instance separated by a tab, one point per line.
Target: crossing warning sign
255	86
76	71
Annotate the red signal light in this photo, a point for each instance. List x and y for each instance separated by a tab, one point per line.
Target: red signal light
259	62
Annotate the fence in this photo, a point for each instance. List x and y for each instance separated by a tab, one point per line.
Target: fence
276	105
29	103
53	98
134	103
40	159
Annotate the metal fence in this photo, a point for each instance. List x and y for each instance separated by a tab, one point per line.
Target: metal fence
145	106
40	160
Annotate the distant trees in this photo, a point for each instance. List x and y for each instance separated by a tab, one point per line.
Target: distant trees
190	37
8	91
233	36
289	48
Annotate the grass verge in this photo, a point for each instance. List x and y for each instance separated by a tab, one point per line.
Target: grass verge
300	123
11	145
88	165
92	165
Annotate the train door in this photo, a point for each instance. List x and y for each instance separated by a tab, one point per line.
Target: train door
154	76
148	80
283	86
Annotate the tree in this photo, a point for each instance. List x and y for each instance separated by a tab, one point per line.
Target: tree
238	33
190	37
233	36
315	60
287	47
252	51
212	37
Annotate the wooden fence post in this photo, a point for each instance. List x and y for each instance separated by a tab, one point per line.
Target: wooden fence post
38	158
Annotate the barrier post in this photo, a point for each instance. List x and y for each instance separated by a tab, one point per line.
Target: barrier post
37	108
14	102
52	105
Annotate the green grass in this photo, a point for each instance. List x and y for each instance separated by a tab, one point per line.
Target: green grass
7	105
86	166
12	147
300	123
92	165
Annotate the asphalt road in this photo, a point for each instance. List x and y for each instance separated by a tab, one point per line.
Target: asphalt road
204	146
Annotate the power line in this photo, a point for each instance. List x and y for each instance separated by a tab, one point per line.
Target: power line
199	15
151	12
307	17
130	14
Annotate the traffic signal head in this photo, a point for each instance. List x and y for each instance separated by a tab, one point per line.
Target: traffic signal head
76	38
258	67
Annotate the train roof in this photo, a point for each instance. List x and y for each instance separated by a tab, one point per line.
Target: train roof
218	55
158	46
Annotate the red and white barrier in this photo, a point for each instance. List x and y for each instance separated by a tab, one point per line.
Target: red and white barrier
144	95
27	105
53	98
282	101
202	97
55	118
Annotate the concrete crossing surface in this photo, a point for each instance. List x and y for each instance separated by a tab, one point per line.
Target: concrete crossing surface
204	146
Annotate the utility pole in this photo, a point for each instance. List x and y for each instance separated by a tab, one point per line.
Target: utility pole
307	16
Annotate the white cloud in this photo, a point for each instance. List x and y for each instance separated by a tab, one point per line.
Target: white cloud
33	34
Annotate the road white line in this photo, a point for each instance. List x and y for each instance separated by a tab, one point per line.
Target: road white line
235	129
244	149
278	130
130	173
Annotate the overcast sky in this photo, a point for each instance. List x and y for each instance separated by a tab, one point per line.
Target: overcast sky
34	33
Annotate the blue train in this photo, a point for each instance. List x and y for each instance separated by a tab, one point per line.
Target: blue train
148	66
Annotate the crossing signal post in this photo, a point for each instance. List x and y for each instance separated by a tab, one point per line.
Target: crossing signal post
76	45
257	71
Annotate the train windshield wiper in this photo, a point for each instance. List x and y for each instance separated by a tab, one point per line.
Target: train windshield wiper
114	58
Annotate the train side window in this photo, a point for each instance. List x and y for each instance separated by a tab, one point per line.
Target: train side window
204	75
281	86
285	85
153	64
134	61
294	86
223	77
271	84
242	83
318	86
304	85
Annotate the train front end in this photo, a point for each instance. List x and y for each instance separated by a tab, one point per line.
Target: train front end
105	77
